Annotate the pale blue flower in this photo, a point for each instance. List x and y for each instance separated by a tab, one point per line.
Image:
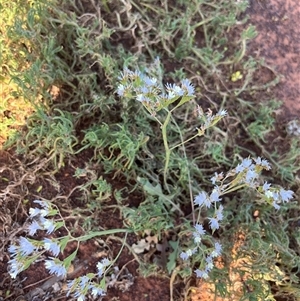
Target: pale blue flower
202	199
222	113
219	213
121	90
84	280
286	195
188	87
149	81
13	250
101	265
214	197
217	251
144	90
188	253
125	74
214	178
266	164
51	246
178	91
169	86
70	285
209	263
266	186
79	295
199	229
199	232
56	267
258	160
201	274
26	247
142	98
262	162
239	168
197	237
269	194
34	212
97	291
43	204
171	95
162	98
49	225
246	163
33	227
275	205
15	267
250	175
275	196
184	256
208	121
214	223
136	74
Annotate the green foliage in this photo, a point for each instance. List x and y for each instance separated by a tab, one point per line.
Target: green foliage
79	50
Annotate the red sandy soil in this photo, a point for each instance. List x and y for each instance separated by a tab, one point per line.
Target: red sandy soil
278	41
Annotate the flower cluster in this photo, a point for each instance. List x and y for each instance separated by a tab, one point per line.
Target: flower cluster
245	174
39	222
26	251
209	262
148	90
211	253
276	196
81	285
203	199
249	169
210	119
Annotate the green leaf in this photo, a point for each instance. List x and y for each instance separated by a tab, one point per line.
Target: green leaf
165	104
102	283
149	188
173	256
183	100
59	225
63	243
69	259
157	191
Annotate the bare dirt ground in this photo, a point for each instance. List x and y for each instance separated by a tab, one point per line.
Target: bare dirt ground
278	41
277	22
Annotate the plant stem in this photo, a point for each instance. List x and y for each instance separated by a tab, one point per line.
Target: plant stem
100	233
166	145
188	172
183	142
